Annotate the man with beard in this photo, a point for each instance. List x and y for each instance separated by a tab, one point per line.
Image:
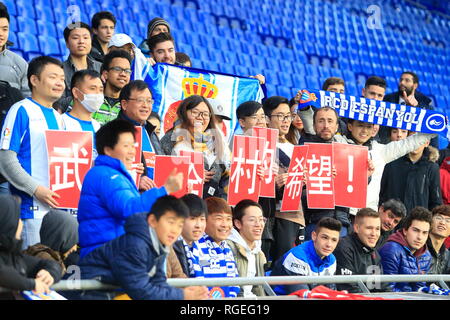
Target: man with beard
407	94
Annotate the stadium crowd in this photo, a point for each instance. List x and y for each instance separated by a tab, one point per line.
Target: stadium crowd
138	236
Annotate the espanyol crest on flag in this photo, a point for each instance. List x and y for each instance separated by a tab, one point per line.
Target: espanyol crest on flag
172	84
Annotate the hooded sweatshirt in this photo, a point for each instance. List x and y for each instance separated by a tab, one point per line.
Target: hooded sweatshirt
397	258
17	271
250	262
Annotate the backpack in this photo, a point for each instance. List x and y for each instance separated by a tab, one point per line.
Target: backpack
8	96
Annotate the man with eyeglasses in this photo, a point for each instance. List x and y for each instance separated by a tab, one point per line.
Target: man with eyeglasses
115	71
245	243
440	230
136	102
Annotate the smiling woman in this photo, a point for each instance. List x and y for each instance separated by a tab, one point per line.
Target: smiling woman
196	130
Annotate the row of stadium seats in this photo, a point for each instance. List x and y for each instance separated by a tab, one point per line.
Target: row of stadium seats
291	50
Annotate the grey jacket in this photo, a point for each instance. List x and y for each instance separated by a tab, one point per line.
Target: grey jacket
13	69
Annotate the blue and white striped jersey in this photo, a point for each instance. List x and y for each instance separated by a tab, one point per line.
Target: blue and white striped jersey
24	133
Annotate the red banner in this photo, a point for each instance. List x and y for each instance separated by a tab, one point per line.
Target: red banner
319	186
246	158
270	137
196	171
164	165
69	159
138	157
294	185
350	183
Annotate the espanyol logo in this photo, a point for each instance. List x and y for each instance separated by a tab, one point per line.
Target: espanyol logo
435	122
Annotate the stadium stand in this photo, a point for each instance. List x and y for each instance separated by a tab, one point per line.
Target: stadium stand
300	45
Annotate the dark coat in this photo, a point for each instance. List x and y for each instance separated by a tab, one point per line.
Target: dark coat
397	258
134	261
353	257
178	247
439	260
415	184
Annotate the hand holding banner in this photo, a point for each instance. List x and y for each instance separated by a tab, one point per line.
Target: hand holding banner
350	184
293	189
270	137
246	158
69	158
164	165
320	190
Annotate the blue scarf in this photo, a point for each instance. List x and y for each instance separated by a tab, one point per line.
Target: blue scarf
378	112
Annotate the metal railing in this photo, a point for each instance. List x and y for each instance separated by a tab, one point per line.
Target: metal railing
361	280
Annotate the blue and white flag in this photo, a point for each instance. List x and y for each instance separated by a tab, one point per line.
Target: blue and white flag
378	112
171	84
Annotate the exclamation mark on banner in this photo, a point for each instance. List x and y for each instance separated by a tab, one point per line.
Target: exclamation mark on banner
350	173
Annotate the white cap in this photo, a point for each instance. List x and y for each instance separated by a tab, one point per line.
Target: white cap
219	109
119	40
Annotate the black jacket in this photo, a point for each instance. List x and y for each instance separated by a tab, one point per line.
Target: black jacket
352	258
383	238
440	260
415	184
97	51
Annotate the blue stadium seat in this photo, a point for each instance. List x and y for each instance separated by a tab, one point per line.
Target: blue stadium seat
241	71
299	81
46	28
49	46
28	43
284	91
285	79
45	13
11	5
25	10
226	68
13	23
27	25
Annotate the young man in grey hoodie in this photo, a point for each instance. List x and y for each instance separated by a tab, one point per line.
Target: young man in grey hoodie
245	242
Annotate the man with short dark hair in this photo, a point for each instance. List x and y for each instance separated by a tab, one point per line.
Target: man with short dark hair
440	230
116	72
103	24
312	258
78	40
136	105
408	94
87	92
13	68
391	213
23	154
406	251
162	48
356	253
136	260
212	257
245	242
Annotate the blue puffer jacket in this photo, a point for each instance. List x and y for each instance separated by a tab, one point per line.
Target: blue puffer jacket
397	258
108	196
135	262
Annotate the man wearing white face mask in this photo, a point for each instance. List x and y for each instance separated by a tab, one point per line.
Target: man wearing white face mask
87	92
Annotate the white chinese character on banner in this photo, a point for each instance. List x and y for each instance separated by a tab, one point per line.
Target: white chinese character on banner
295	184
71	156
268	159
239	170
193	179
320	175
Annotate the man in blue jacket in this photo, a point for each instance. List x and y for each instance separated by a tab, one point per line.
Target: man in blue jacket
312	258
406	251
109	194
136	261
